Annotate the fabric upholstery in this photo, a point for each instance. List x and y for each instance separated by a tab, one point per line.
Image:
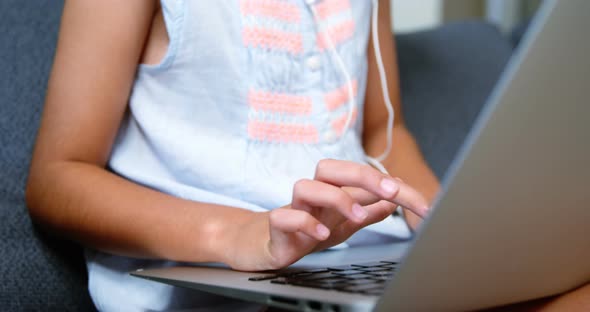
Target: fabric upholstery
37	273
446	76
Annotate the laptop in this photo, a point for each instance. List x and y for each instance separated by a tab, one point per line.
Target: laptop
511	224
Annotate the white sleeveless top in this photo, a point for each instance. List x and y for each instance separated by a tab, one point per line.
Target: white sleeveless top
247	100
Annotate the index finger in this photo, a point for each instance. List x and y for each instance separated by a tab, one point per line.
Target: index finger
346	173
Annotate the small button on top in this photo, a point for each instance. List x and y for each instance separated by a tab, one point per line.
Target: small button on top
329	136
310	2
313	62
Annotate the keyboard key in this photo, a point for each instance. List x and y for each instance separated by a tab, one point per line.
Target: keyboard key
341	268
382	278
390	262
347	272
381	273
363	281
370	264
375	269
358	276
295	273
279	280
263	278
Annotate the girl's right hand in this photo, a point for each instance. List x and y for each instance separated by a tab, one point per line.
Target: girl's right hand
342	198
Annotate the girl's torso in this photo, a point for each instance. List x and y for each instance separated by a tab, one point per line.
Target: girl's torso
245	101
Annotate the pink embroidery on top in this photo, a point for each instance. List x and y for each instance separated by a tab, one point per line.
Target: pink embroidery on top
273	39
338	34
280	102
276	9
335	99
282	132
328	8
339	123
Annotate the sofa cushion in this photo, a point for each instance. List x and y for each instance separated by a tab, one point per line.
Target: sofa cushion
446	76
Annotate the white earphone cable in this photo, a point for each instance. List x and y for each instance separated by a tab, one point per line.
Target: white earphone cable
374	161
384	86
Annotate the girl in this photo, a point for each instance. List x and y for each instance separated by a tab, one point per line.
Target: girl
231	131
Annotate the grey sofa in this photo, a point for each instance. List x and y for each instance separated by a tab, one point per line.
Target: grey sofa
446	73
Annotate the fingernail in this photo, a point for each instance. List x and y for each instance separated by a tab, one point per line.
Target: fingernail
322	231
425	210
389	186
359	212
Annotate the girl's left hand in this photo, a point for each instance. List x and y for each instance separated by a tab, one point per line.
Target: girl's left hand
343	197
361	187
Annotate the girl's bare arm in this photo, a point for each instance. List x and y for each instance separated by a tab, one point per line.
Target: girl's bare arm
69	191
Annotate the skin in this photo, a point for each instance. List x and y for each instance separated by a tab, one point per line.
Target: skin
70	193
575	300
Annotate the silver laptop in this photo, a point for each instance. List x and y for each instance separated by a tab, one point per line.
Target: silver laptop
513	221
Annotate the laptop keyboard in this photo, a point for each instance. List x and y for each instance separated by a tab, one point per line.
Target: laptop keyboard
364	278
